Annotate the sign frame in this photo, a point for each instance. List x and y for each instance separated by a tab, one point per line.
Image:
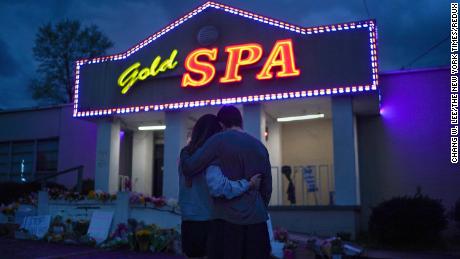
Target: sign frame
346	89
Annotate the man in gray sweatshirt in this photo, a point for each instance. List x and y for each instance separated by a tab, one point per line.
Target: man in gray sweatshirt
240	229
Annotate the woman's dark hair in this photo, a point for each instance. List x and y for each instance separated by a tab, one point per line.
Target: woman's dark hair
206	126
230	116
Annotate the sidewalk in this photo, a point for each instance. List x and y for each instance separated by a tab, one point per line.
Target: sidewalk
22	249
373	253
382	254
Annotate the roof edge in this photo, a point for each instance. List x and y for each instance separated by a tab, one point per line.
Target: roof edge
35	108
414	70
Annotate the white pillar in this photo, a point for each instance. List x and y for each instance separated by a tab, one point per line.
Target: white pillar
175	140
142	162
107	156
254	120
345	152
273	145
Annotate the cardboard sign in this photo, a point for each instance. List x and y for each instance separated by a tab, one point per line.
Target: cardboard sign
37	225
309	178
22	213
99	225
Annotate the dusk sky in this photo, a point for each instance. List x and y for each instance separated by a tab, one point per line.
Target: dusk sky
407	29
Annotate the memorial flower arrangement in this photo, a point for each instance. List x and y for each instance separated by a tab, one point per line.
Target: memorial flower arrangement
289	247
141	237
134	234
127	184
80	227
58	194
101	196
155	202
30	199
10	209
333	247
69	231
118	239
281	234
57	230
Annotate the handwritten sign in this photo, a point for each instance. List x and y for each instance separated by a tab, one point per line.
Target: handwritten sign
99	225
22	212
309	177
37	225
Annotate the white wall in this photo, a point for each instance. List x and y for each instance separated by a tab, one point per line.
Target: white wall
142	162
308	143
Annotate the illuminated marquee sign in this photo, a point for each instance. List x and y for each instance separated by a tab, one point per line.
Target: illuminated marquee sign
253	59
282	55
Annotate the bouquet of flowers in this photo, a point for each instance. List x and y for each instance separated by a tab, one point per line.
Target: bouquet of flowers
281	234
55	194
120	232
159	202
30	199
119	238
73	196
101	196
143	239
80	227
9	210
164	240
127	184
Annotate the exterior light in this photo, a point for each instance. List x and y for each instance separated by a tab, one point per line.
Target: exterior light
300	118
155	127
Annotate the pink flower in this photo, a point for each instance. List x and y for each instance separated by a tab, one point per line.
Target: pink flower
159	202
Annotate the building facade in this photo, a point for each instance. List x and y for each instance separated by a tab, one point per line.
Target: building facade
342	137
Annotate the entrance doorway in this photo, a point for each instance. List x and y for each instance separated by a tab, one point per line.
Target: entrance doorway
158	164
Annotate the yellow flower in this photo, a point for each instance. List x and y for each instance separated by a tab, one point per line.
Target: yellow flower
91	195
143	233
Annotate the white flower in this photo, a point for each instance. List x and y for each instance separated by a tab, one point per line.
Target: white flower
171	202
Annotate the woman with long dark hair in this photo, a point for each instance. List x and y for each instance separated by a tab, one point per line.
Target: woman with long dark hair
195	194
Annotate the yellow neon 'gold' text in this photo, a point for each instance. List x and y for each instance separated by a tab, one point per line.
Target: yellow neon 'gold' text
132	74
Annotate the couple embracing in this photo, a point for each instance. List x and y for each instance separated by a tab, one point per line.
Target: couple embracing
225	186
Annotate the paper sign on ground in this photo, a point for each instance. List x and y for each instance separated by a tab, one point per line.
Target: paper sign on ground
37	225
99	226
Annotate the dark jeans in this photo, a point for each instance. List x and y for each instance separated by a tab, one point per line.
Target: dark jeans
194	237
232	241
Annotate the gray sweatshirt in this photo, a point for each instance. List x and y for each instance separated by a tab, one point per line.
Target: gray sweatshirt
195	201
241	156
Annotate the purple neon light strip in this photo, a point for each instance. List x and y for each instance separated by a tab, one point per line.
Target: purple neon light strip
312	30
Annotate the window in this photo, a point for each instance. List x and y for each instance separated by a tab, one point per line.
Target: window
21	160
47	155
4	160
